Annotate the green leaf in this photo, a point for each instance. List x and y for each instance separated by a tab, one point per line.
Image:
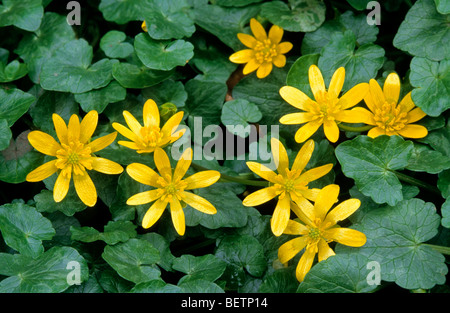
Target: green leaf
162	55
444	183
199	286
14	103
163	246
395	237
442	6
445	210
167	91
207	267
114	45
225	23
134	260
358	4
26	14
168	20
100	98
5	134
138	77
155	286
322	277
242	252
12	71
69	206
35	48
424	159
234	3
18	160
23	228
114	232
280	281
431	80
424	32
298	73
300	16
47	273
370	163
69	69
313	42
360	65
238	114
124	11
439	140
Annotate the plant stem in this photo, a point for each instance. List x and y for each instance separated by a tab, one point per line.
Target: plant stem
233	179
359	129
416	182
441	249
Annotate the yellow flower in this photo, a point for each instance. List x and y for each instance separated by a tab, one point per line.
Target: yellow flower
74	155
327	109
318	229
264	50
388	117
171	188
146	138
144	26
289	184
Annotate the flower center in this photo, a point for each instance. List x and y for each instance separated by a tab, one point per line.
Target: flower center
289	183
327	105
315	233
390	117
170	188
151	136
76	156
265	51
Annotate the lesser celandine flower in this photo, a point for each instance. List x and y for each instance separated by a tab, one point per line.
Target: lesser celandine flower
171	188
74	155
289	184
317	228
387	115
328	109
145	139
263	51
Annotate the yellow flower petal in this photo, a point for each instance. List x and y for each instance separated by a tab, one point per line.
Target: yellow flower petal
331	130
73	129
324	250
144	197
375	132
202	179
162	163
304	211
242	56
280	217
106	166
391	88
346	236
279	60
291	248
342	211
150	115
43	142
125	132
310	194
356	115
275	34
258	30
354	96
296	118
295	228
60	128
305	263
153	213
198	203
85	189
260	196
415	114
262	171
336	83
303	156
376	93
42	172
130	144
102	142
143	174
413	131
61	185
178	219
170	127
132	123
88	126
307	130
251	66
315	173
296	98
248	40
280	156
144	26
183	164
407	104
284	47
325	200
264	70
316	81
